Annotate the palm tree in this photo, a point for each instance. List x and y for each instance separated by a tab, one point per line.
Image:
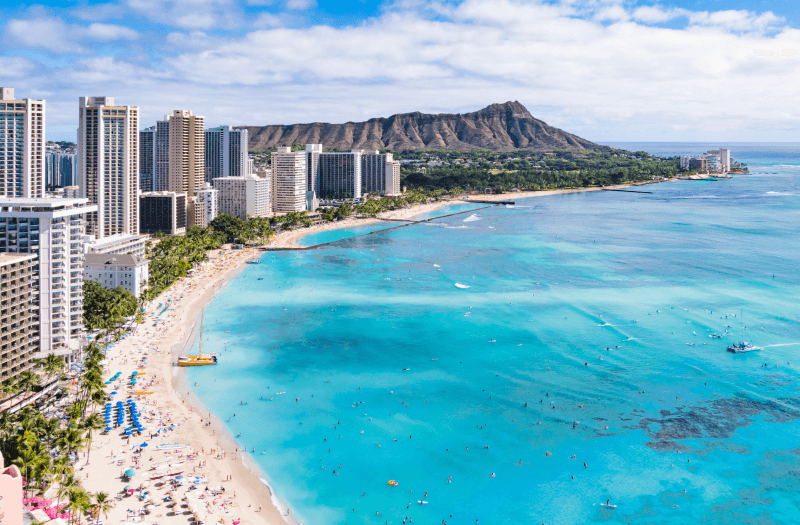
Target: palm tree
90	424
52	365
102	504
28	380
10	387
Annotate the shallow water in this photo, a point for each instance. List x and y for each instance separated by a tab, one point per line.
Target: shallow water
592	301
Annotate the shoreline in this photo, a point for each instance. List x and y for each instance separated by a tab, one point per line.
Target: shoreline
288	240
162	343
245	490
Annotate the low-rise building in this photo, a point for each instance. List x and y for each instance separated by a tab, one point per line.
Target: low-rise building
19	313
162	211
113	270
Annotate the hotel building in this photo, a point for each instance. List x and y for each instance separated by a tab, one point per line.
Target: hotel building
186	152
244	197
206	207
22	146
19	318
53	229
163	211
108	162
340	175
226	153
127	271
288	180
147	142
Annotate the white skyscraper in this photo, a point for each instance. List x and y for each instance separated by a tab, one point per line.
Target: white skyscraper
288	180
206	206
52	228
22	155
226	153
108	162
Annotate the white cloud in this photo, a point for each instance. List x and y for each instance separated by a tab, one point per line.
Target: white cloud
744	21
52	34
300	4
189	14
654	14
596	68
98	31
57	36
15	67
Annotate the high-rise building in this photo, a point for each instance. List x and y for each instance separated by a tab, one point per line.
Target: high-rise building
161	155
22	160
724	158
206	208
147	141
19	318
53	229
226	153
288	180
61	169
313	152
380	173
163	211
340	175
243	197
108	161
186	152
391	185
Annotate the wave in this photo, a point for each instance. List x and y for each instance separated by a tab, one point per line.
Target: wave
436	266
472	218
459	285
779	194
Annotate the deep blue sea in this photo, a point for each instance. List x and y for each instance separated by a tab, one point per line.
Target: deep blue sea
572	365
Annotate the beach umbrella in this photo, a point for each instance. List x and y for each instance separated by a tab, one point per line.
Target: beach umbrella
130	472
113	394
108	428
127	487
144	445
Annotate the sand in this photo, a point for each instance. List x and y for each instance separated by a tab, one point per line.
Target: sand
246	496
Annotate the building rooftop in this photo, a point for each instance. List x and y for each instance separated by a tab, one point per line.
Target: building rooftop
112	260
11	258
41	202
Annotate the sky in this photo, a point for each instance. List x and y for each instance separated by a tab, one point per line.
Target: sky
607	70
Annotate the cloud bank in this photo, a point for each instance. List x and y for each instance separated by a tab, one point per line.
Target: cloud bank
606	70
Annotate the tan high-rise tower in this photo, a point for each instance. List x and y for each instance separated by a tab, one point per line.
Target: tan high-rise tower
186	152
108	164
21	146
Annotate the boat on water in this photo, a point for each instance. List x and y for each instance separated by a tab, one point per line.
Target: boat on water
743	346
200	359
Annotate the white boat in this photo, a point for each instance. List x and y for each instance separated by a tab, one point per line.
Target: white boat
608	506
741	347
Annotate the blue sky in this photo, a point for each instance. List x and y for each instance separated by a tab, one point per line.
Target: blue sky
618	70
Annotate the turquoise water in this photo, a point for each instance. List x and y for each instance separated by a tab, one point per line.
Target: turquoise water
592	300
314	239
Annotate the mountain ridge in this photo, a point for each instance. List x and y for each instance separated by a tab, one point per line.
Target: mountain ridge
497	127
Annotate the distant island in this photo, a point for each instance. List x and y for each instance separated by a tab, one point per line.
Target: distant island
498	127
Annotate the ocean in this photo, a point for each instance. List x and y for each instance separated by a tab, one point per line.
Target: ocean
526	363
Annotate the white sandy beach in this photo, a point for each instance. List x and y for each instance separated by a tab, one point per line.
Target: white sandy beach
209	451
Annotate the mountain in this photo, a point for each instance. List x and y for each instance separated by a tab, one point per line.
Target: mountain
499	127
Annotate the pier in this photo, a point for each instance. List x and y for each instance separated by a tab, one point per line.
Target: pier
626	191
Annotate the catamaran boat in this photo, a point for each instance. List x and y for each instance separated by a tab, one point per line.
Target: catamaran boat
200	359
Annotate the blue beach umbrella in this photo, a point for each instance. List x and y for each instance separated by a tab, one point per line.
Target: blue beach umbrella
108	428
130	472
